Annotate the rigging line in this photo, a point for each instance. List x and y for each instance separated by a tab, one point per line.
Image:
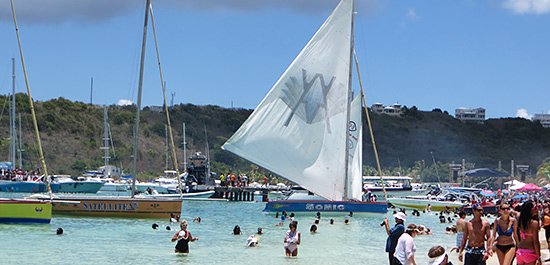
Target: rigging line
35	123
163	85
3	108
370	125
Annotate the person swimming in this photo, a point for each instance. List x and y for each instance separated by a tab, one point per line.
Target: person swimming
237	230
59	231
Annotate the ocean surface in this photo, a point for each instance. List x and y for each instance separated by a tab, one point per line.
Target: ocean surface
88	240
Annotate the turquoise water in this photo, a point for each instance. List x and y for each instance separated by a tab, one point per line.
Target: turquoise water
124	241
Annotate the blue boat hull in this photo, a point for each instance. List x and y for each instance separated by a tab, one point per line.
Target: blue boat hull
22	186
326	206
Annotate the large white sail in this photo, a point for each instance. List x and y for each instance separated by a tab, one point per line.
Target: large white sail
299	129
355	142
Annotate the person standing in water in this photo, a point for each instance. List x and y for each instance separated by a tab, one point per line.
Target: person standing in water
503	233
477	233
292	240
183	237
394	234
528	250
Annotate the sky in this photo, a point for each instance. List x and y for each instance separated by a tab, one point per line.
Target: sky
442	54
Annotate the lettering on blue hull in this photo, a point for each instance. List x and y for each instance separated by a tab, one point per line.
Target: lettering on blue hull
324	207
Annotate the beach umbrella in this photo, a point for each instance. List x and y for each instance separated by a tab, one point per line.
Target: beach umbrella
520	196
487	193
530	187
485	172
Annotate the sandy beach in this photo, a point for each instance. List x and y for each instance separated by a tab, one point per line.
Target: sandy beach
494	260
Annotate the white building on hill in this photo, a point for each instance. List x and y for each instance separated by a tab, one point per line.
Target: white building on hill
544	119
392	110
475	115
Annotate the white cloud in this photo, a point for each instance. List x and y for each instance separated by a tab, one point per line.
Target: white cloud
522	113
527	6
124	102
411	14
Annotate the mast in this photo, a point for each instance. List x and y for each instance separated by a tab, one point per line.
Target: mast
20	142
31	104
207	152
105	138
163	85
140	90
184	150
13	131
348	109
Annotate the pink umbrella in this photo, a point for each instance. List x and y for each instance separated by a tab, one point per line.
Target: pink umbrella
530	187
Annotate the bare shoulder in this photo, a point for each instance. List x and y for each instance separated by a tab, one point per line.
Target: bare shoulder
535	224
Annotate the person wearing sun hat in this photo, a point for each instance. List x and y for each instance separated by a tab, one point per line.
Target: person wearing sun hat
394	234
438	256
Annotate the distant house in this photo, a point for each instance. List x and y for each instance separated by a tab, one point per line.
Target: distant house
392	110
544	119
474	115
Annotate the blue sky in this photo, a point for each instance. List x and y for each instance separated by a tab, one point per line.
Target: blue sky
432	54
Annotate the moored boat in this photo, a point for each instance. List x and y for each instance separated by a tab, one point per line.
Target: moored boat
80	185
114	206
22	186
25	211
422	204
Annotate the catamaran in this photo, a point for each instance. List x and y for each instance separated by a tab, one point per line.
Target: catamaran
125	206
308	128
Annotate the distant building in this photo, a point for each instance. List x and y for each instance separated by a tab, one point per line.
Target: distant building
544	119
392	110
475	115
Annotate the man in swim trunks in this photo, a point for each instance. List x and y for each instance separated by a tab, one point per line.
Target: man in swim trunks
477	233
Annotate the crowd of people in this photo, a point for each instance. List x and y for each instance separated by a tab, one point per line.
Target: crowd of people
513	235
17	174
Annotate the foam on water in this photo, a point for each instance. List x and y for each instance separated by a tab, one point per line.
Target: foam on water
124	241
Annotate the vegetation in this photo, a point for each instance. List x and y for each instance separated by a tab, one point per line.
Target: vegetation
419	144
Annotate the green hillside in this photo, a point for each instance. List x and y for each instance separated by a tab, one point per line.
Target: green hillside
72	134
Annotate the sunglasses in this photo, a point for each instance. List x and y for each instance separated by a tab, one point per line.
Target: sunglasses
479	210
505	208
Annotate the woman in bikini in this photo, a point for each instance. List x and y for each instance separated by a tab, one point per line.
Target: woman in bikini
528	249
292	239
503	231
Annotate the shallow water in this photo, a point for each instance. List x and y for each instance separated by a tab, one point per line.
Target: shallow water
114	240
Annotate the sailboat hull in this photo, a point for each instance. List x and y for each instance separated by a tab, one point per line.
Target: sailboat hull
422	204
25	211
326	206
125	207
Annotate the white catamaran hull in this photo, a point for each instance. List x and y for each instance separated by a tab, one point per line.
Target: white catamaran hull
421	204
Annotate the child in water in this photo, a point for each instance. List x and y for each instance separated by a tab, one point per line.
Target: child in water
183	237
292	239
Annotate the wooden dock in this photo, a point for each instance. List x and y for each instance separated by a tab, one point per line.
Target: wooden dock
240	193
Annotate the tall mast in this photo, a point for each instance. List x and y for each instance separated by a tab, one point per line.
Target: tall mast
163	85
140	89
13	131
20	142
347	178
31	104
105	148
184	150
207	153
